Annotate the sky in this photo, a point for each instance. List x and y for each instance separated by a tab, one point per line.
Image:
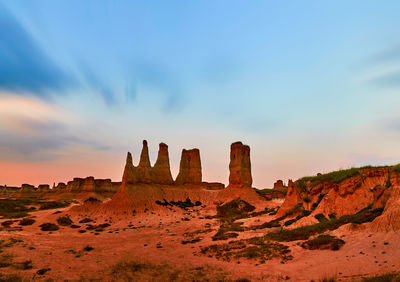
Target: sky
310	86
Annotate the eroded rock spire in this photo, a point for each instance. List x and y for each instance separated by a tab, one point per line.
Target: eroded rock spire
161	172
240	166
143	170
190	168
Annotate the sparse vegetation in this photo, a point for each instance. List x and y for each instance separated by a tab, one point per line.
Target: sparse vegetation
320	217
183	205
145	271
86	220
10	278
99	227
43	271
304	232
396	168
88	248
323	242
270	194
15	208
64	221
6	260
11	242
387	277
316	204
388	184
234	209
53	205
334	176
7	223
256	248
301	183
49	226
92	200
27	264
26	221
191	241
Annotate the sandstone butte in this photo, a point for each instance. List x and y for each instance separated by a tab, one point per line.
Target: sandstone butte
190	167
143	185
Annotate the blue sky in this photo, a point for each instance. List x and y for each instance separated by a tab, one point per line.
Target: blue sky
311	86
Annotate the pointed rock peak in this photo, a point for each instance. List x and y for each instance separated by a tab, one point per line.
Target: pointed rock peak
162	153
144	156
161	172
144	167
129	159
129	174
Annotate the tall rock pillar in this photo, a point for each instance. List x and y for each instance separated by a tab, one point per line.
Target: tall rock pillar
161	172
143	170
240	166
190	168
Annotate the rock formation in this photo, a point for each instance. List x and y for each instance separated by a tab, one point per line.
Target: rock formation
28	187
190	168
143	170
359	188
129	176
87	185
213	185
144	173
240	166
278	185
161	172
61	186
43	188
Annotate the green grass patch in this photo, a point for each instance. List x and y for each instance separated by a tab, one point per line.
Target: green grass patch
269	194
334	176
53	205
396	168
6	260
49	227
25	265
320	217
323	242
234	209
11	278
387	277
146	271
256	248
26	221
316	204
15	208
304	232
64	221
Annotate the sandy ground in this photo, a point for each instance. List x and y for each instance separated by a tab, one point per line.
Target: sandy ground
138	238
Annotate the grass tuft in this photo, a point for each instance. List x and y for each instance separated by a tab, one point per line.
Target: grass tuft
323	242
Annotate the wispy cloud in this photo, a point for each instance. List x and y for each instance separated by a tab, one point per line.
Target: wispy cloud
32	130
388	55
24	67
385	67
391	79
159	78
97	84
